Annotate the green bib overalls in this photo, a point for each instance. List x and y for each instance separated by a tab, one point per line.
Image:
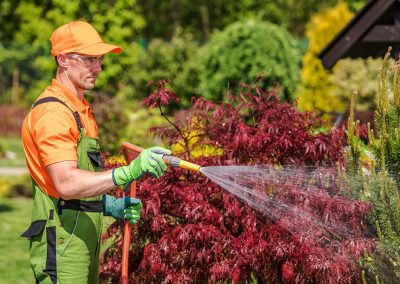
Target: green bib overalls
65	234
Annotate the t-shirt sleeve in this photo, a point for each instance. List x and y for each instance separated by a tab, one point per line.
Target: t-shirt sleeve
56	136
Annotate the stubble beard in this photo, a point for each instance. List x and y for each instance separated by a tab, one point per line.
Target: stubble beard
85	85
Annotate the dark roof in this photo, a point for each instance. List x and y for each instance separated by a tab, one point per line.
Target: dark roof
369	34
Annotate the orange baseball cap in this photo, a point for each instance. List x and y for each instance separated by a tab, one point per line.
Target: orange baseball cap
80	37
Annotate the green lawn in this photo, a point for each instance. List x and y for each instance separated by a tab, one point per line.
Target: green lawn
15	216
13	145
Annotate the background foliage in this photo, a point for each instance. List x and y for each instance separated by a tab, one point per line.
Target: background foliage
160	40
203	18
167	59
27	49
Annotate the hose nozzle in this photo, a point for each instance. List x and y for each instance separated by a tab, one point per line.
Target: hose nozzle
171	160
177	162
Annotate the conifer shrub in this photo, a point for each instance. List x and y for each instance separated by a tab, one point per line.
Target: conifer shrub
243	51
380	182
192	231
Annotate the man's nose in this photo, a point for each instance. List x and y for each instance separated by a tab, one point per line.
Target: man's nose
97	67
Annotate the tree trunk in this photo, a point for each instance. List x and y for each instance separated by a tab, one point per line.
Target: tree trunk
15	91
205	20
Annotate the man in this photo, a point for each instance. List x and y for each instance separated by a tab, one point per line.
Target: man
62	152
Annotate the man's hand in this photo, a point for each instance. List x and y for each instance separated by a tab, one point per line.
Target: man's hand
122	208
149	161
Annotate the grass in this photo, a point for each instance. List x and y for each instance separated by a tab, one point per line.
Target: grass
14	145
15	216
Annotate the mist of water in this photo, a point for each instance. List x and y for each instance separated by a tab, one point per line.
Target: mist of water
269	190
258	185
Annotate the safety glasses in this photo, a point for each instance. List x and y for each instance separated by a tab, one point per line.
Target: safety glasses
87	60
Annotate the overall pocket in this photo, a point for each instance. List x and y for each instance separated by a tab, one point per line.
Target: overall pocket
35	229
42	251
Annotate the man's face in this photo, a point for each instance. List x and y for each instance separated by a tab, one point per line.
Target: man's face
83	70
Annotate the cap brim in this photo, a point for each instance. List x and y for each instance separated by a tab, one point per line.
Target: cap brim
100	48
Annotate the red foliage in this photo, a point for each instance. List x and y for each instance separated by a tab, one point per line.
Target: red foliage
194	231
12	118
161	96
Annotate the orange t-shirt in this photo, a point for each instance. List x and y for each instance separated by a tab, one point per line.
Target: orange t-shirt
50	133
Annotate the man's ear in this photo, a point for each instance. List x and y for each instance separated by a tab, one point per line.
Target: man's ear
62	60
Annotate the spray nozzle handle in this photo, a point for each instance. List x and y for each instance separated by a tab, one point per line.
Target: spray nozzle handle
177	162
172	160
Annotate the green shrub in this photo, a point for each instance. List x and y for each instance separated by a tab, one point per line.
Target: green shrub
171	60
243	51
2	150
137	131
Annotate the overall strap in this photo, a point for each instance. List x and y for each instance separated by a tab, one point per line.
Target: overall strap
54	99
79	205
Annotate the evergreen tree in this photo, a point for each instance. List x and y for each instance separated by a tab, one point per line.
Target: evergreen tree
380	184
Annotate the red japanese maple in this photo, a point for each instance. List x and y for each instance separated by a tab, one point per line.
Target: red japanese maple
194	231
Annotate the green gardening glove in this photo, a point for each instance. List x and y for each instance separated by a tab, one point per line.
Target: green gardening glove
122	208
149	161
132	213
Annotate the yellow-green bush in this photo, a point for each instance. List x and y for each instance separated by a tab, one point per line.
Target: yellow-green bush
316	91
22	186
192	137
356	75
5	186
140	121
13	187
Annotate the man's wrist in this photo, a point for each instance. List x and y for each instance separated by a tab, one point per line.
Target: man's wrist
121	175
106	200
113	177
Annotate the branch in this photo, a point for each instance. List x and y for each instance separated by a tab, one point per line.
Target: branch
177	129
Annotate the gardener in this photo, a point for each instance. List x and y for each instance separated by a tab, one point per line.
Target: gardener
63	156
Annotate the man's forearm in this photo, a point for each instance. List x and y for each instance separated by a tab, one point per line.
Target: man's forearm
84	184
74	183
